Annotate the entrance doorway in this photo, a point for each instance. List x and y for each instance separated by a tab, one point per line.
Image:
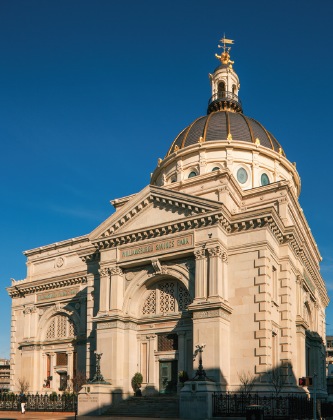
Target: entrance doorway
168	376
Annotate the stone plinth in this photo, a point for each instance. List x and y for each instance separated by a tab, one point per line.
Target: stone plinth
196	400
95	399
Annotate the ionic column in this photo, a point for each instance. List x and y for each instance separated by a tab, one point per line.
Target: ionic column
104	297
200	273
117	289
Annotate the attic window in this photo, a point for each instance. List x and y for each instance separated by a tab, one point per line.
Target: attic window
216	168
192	174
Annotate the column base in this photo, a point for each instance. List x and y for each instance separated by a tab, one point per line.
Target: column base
95	399
196	400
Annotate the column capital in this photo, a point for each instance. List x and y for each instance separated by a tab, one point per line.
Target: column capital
116	271
200	253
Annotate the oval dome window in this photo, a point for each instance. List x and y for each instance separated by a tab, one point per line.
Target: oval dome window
242	175
264	179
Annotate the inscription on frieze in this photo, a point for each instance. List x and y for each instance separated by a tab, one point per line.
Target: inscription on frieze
56	294
157	247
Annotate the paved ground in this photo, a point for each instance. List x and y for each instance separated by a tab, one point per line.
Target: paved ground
15	415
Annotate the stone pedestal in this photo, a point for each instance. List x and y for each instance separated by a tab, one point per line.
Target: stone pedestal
196	400
95	399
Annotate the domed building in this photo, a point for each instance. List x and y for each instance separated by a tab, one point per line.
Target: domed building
216	251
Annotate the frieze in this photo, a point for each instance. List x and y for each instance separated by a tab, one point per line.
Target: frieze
116	324
56	294
211	314
157	247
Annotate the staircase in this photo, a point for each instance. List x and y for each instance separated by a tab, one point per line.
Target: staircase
158	406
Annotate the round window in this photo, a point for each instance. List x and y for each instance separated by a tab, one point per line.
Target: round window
242	175
216	168
264	179
192	174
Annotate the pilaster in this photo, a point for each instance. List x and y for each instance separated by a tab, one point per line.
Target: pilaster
104	298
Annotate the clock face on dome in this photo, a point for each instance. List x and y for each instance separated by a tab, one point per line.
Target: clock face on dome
242	175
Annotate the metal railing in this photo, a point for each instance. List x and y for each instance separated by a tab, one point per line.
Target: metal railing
290	406
39	402
225	96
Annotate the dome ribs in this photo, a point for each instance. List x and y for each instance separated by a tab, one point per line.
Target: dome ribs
216	126
195	131
240	129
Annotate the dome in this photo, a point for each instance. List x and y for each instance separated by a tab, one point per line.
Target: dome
225	126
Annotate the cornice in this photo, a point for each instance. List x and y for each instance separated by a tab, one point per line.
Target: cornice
57	245
23	288
197	221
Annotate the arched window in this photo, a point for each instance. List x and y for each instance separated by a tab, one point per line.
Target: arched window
60	327
216	168
192	174
221	90
234	89
166	297
264	179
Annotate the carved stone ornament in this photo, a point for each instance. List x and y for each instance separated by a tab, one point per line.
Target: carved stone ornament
59	262
215	252
116	271
104	271
200	254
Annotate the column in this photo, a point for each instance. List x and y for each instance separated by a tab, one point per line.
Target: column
217	272
104	294
151	359
70	364
53	383
181	350
117	289
200	274
90	314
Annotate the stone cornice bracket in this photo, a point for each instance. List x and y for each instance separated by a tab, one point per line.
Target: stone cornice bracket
89	255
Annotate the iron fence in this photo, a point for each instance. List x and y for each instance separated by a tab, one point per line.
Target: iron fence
283	407
39	402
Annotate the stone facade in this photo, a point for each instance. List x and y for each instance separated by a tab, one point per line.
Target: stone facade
212	251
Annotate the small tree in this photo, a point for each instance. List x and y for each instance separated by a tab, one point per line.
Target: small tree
78	380
23	385
247	380
279	378
136	383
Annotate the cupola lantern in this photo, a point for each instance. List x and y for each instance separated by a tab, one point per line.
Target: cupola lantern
224	82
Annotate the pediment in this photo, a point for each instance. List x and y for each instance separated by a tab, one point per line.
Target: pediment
152	207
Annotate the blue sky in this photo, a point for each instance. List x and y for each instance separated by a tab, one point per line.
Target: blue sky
92	93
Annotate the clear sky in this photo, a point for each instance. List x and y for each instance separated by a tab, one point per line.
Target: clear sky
93	92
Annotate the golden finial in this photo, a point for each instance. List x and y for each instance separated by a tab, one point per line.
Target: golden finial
280	151
257	142
176	148
229	137
159	160
201	139
225	57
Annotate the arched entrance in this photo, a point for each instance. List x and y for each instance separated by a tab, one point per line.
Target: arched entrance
165	333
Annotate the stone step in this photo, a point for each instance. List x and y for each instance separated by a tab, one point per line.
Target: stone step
152	406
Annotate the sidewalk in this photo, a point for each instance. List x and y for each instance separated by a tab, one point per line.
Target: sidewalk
34	415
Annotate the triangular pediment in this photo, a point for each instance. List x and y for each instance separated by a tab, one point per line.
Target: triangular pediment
152	207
